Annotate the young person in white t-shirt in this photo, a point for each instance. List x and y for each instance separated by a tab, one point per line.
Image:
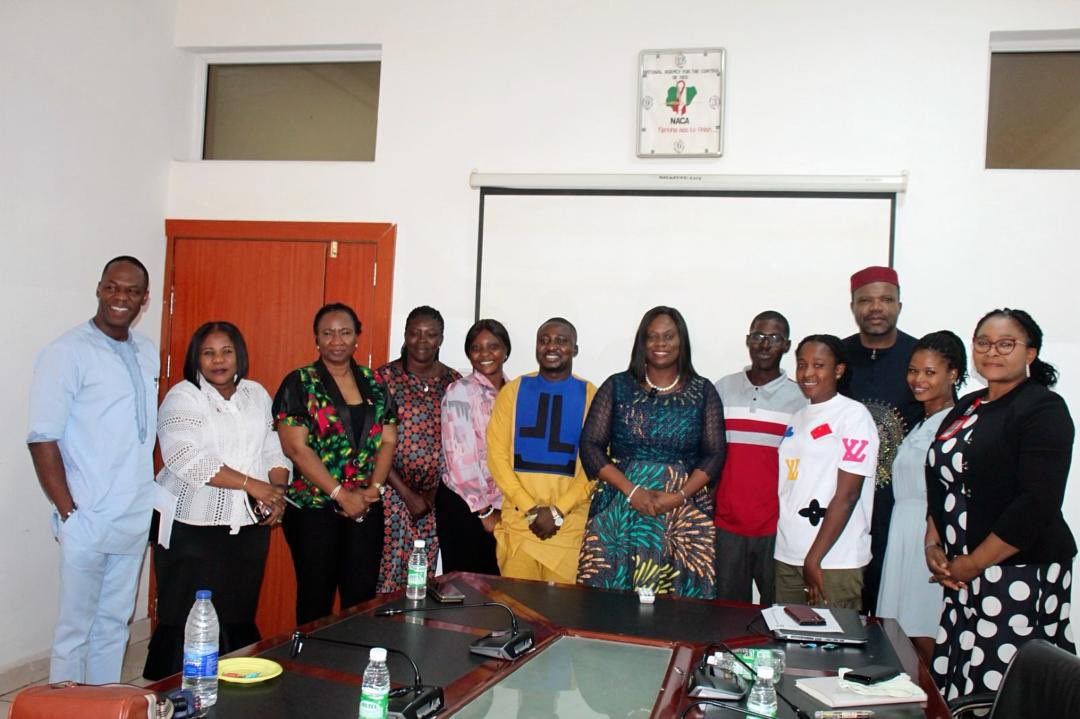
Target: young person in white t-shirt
826	499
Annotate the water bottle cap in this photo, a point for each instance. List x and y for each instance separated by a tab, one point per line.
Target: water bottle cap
419	544
377	654
202	594
764	672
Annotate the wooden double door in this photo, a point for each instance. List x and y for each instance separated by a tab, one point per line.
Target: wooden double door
269	279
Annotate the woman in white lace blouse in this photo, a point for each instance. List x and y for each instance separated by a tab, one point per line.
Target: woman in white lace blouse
221	487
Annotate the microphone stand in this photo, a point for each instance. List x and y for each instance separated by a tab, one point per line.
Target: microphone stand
507	644
415	702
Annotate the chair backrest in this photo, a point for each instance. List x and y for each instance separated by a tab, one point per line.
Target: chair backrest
1042	681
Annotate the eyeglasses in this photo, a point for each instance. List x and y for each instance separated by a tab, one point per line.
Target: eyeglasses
759	337
1003	347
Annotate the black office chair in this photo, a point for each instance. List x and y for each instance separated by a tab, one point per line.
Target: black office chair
1041	681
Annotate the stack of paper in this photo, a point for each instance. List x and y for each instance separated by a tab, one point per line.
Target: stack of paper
828	691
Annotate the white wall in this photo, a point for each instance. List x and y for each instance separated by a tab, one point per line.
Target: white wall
838	87
95	98
90	115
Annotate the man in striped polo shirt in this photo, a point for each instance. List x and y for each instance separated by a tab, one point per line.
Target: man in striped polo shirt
758	404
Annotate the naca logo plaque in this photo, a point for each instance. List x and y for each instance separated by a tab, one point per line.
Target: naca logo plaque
681	105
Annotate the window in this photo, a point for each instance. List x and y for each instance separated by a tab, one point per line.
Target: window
291	111
1033	120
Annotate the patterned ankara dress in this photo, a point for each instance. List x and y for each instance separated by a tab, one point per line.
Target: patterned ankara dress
657	441
419	462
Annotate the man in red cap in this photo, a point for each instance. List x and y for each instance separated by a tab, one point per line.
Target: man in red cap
877	369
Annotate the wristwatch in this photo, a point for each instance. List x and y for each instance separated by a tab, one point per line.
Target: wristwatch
556	515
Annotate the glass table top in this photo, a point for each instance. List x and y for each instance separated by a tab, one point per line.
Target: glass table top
575	677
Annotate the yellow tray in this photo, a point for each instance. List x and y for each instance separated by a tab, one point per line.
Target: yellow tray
247	670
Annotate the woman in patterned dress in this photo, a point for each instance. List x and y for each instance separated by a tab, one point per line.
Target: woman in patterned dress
417	382
655	437
335	421
996	539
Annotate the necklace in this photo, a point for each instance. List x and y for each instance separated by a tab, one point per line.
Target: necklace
662	389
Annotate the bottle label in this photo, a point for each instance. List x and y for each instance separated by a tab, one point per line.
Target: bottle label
373	705
200	665
417	576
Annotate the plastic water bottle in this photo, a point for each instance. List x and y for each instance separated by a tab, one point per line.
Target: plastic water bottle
201	651
375	691
762	698
416	586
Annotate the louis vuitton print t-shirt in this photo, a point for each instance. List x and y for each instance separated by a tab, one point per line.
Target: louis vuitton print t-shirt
838	434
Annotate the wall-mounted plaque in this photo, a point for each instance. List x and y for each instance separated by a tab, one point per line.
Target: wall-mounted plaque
681	103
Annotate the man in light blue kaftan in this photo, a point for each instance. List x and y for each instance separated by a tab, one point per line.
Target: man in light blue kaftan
93	414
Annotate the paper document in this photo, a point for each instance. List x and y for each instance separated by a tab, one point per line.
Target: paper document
834	692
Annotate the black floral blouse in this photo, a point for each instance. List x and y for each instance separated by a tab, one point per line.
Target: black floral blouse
309	398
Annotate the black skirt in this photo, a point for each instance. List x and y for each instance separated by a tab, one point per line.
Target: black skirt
229	565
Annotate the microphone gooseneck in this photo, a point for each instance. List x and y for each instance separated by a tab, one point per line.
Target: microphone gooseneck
411	610
298	639
503	644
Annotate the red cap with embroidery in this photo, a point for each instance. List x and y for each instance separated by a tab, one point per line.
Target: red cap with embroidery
874	274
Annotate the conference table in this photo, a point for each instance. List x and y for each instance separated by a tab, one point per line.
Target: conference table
597	653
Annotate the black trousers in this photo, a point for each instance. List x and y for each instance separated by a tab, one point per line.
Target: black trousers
332	553
879	539
229	565
464	544
744	561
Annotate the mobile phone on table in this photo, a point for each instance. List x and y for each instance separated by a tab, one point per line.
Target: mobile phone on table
871	674
805	616
445	592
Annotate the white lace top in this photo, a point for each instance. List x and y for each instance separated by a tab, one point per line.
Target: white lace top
198	432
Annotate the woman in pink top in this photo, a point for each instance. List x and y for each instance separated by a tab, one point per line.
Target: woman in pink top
468	504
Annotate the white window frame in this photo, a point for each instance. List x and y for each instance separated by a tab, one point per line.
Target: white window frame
205	57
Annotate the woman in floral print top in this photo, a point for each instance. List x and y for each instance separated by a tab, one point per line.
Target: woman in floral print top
337	423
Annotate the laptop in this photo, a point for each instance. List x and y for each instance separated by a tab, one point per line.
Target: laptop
846	628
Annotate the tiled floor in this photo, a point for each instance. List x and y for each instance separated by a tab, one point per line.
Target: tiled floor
131	674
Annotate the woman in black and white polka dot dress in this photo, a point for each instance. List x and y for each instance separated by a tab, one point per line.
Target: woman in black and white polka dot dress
996	475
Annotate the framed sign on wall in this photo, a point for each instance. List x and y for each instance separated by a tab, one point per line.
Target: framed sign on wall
681	103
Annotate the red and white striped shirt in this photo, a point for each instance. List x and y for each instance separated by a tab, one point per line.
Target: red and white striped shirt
755	419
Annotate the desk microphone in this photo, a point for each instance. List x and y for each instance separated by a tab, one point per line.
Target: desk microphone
415	702
507	644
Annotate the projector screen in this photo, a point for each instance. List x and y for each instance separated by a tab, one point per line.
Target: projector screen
601	259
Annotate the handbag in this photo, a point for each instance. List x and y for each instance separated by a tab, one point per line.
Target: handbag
89	701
